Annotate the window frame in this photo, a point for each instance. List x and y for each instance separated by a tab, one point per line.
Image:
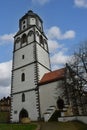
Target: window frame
23	97
23	77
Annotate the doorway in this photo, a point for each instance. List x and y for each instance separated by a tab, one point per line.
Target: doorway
23	114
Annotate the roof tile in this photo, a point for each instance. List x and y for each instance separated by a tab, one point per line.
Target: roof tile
52	76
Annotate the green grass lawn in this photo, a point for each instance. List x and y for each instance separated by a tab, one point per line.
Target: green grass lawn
4	117
18	126
46	126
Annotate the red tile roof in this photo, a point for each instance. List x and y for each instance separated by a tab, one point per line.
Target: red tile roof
53	76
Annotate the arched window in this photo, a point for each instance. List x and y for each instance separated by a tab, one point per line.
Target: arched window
37	33
17	43
45	41
17	40
41	41
30	33
37	37
24	38
23	97
30	36
23	77
45	44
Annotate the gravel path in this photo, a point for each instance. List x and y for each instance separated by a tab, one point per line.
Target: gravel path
57	126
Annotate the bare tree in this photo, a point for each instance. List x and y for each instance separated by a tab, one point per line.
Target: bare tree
79	64
77	73
74	84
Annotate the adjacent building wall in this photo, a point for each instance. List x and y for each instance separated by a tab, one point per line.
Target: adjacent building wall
49	95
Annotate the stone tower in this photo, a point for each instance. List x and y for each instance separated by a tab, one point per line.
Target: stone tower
30	62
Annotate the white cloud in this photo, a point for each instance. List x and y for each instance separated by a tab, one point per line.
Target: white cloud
6	38
68	34
57	66
55	33
59	58
53	45
5	78
81	3
58	51
5	70
41	2
4	92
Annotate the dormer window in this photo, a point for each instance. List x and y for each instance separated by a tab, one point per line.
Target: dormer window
24	27
24	22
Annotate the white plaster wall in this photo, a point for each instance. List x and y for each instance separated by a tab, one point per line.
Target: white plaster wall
39	24
17	45
29	105
48	96
32	21
42	70
37	38
82	119
43	56
23	44
30	38
65	119
18	85
73	118
27	51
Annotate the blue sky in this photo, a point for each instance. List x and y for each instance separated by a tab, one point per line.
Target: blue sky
64	24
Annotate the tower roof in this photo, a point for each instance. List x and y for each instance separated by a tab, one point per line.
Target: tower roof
25	23
31	13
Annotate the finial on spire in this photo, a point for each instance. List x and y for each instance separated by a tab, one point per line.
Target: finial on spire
30	11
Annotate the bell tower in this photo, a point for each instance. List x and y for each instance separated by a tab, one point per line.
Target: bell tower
30	62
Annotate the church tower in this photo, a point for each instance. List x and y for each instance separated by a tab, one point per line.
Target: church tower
30	62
